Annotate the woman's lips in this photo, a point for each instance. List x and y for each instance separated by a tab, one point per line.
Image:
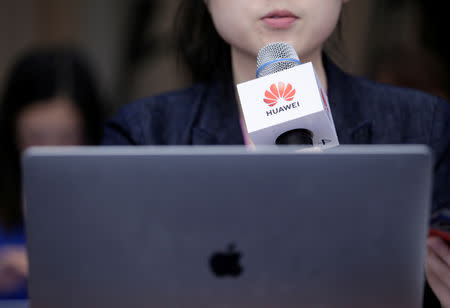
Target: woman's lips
280	19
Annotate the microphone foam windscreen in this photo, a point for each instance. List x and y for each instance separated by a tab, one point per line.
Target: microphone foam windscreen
276	57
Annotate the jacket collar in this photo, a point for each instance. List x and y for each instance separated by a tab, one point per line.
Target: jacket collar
218	116
345	98
218	119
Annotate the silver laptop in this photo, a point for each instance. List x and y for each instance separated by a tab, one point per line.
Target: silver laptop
227	227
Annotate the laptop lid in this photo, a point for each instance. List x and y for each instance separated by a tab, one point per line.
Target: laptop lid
227	227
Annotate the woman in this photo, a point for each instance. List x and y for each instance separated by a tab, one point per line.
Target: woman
220	39
50	98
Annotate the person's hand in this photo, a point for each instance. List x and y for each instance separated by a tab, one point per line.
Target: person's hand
13	268
438	269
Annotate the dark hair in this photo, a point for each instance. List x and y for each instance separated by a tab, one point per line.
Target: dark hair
38	75
199	45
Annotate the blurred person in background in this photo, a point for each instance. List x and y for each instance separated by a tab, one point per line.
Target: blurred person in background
50	98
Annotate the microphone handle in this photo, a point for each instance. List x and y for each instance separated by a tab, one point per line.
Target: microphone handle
299	136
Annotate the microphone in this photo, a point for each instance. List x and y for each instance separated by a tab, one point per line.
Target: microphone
286	103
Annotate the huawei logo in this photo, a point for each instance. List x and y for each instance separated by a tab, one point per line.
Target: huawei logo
281	92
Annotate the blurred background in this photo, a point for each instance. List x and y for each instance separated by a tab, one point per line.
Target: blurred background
129	43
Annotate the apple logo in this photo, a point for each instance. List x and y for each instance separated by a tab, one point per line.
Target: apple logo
225	264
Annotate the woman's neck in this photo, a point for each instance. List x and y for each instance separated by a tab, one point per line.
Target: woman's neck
244	66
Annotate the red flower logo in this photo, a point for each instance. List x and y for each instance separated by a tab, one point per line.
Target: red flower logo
282	91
